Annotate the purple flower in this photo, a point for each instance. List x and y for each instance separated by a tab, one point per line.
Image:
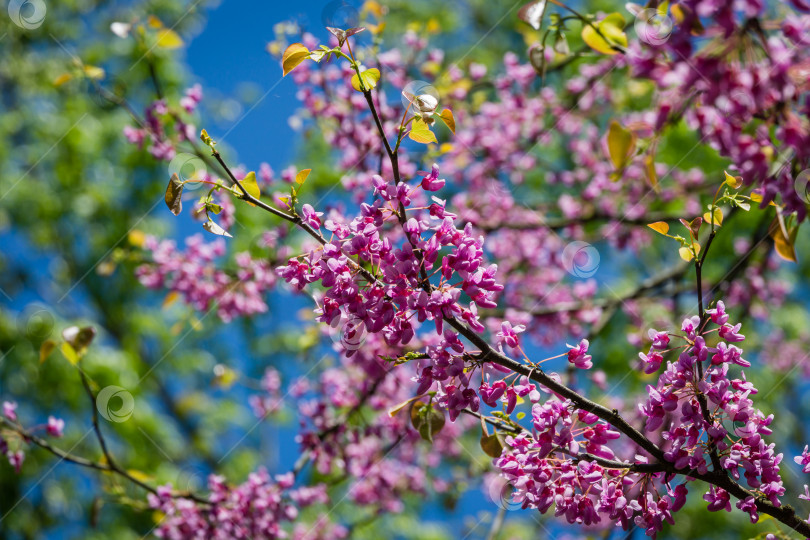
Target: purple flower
804	460
431	182
508	334
718	314
718	499
16	459
55	427
731	333
310	216
10	410
578	355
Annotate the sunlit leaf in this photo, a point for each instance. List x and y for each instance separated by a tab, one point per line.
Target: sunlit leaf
612	28
621	144
649	165
369	78
174	193
250	185
93	72
136	238
169	39
659	227
293	55
733	181
69	353
420	132
784	245
686	254
302	175
447	117
715	217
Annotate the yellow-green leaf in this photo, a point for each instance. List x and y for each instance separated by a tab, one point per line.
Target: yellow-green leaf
649	163
293	55
46	349
420	132
369	79
612	28
94	72
715	217
170	299
69	353
302	175
447	117
659	227
169	39
686	254
733	181
621	144
250	185
784	245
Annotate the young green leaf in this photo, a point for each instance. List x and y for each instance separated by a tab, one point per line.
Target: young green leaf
169	39
427	420
250	185
69	353
612	28
293	55
174	193
733	181
420	132
621	144
714	217
368	78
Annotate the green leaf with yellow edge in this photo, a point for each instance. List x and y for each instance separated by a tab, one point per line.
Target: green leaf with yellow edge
612	28
661	227
46	349
169	39
69	353
733	182
621	144
447	117
420	132
302	175
369	79
293	55
250	185
714	218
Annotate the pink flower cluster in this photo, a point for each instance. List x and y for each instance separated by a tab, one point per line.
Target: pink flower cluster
193	274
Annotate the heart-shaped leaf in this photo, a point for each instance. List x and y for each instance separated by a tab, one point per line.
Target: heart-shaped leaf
660	227
369	79
420	132
612	33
